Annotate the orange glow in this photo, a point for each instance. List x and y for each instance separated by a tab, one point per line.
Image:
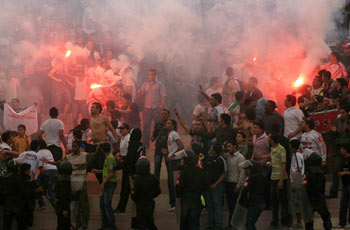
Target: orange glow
254	59
95	86
299	82
68	53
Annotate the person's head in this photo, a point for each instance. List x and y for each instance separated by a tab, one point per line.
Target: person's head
276	129
77	134
135	135
231	146
21	130
250	103
345	150
258	128
224	119
152	75
53	112
143	166
108	37
171	125
96	108
240	97
340	83
215	99
90	45
317	82
240	137
252	83
124	129
214	82
309	124
250	114
42	144
127	99
35	145
25	169
273	140
164	114
6	137
250	167
197	126
84	124
190	159
344	112
270	106
294	145
106	148
334	58
229	71
290	101
76	147
15	103
216	149
325	74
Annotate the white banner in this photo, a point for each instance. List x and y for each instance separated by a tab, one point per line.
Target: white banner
27	117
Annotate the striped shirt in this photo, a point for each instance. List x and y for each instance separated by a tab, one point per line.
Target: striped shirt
278	156
79	165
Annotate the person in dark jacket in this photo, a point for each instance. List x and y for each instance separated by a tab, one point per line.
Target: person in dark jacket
144	189
252	196
12	189
63	191
30	190
189	187
315	186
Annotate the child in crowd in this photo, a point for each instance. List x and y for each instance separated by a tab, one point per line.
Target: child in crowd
22	141
345	177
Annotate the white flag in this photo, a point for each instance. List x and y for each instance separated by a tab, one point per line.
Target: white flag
27	117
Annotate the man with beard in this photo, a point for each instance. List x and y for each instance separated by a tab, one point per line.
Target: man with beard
199	134
98	126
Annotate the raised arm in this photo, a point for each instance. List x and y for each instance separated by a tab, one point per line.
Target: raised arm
201	91
182	122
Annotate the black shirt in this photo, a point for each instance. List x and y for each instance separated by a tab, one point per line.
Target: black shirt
223	134
160	134
345	168
199	142
214	167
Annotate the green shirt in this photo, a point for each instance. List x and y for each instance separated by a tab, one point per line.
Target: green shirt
278	156
109	161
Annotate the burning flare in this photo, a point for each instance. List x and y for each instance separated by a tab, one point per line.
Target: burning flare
254	59
68	53
299	82
95	86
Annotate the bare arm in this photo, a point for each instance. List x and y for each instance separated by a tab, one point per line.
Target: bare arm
182	123
110	127
40	134
52	72
201	91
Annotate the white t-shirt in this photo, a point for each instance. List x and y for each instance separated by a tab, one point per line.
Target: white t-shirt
45	153
30	157
293	117
51	128
172	145
81	89
124	144
294	165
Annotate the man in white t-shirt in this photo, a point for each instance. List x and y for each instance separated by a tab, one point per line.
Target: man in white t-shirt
48	177
293	119
31	157
174	145
334	66
81	93
54	134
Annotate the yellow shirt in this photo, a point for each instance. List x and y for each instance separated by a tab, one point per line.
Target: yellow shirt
22	144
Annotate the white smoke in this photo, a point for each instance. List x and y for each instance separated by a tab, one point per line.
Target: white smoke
287	37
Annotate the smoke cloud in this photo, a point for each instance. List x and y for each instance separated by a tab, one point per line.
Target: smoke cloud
202	37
